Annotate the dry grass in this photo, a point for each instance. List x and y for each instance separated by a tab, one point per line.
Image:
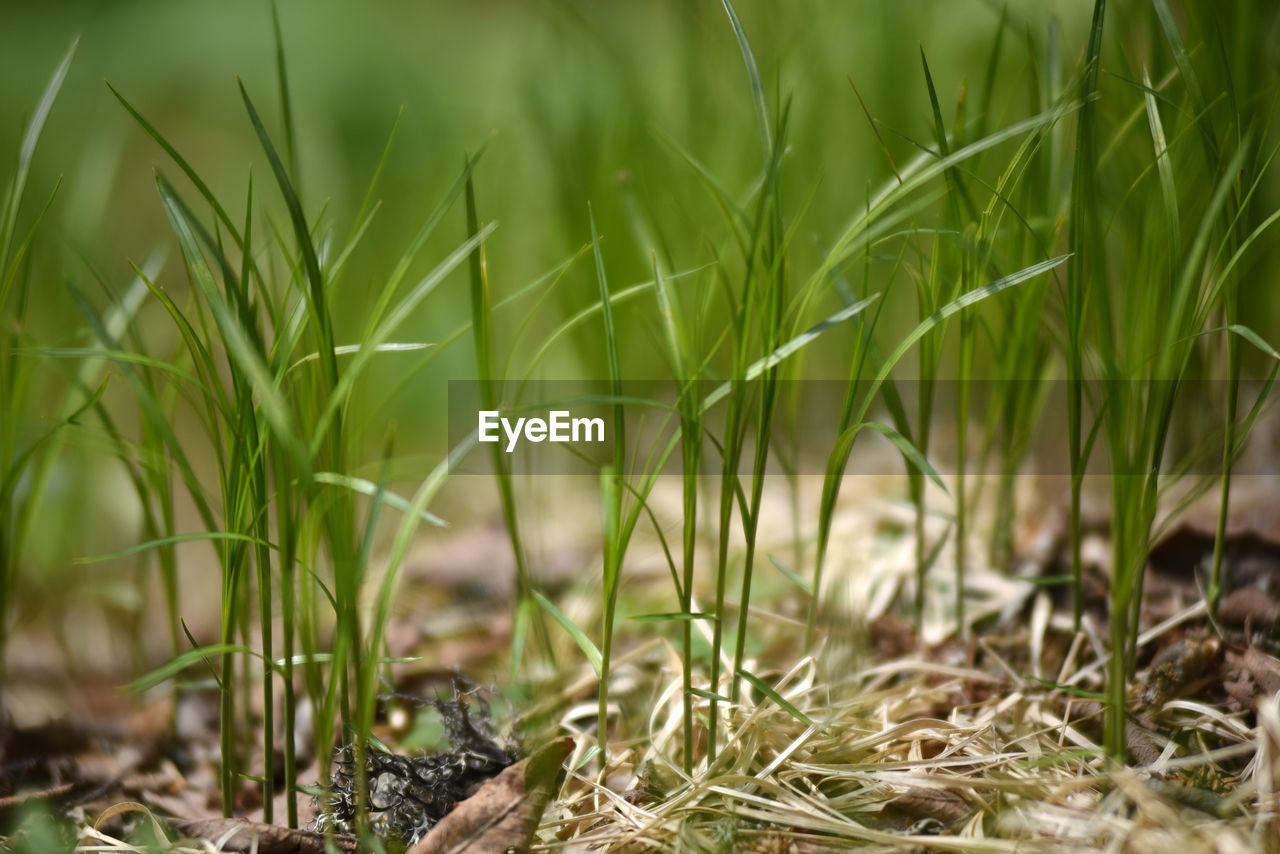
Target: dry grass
925	751
984	746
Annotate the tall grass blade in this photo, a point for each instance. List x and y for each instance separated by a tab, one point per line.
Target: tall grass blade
1084	272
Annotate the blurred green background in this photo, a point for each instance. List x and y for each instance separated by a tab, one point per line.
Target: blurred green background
572	98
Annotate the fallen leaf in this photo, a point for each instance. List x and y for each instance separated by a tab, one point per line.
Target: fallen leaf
1250	607
1253	676
502	816
920	802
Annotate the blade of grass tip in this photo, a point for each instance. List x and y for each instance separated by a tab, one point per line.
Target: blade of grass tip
217	536
194	177
790	348
958	193
875	129
733	214
804	584
642	504
582	317
960	303
367	204
589	650
758	102
311	262
377	491
1164	169
26	152
352	349
782	702
909	452
415	246
20	253
286	103
182	662
915	175
551	281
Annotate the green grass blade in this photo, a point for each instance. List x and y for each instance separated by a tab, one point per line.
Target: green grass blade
589	649
790	348
236	339
909	452
219	536
782	702
388	326
182	662
374	490
302	234
672	617
26	152
286	102
758	103
805	585
194	177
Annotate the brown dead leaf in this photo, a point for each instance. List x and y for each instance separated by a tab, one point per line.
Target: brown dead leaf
240	835
1253	676
502	816
920	802
1250	607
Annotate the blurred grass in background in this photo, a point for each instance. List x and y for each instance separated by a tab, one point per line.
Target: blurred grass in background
577	98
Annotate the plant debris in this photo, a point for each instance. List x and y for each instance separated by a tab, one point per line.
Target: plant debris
503	815
407	795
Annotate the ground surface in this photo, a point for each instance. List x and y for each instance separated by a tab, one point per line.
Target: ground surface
917	740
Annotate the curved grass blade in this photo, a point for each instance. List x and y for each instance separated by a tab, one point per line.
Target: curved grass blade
909	452
182	662
794	577
374	490
230	536
782	702
302	234
584	643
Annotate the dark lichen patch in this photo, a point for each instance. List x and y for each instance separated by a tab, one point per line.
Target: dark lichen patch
406	795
